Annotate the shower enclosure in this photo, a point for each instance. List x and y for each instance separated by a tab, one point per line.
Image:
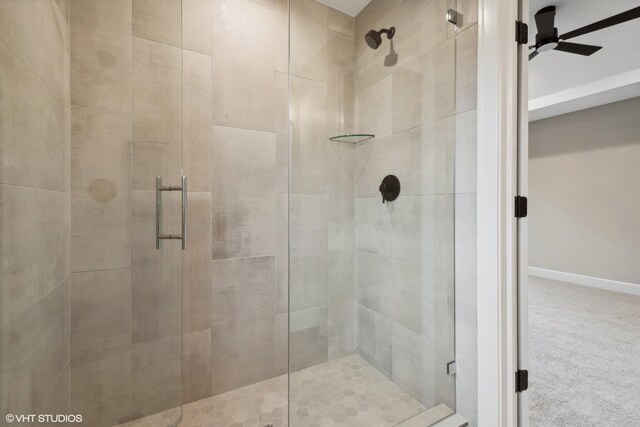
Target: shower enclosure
237	212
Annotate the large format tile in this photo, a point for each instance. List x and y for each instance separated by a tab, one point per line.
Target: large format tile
309	49
244	39
196	362
34	144
309	142
100	190
101	390
196	115
420	368
244	203
35	225
196	26
101	54
57	401
100	315
373	338
467	69
156	274
374	108
340	84
243	334
159	20
35	351
341	303
419	27
156	376
157	113
466	152
196	275
38	33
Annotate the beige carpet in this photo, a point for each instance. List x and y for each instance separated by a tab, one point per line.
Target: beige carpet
584	356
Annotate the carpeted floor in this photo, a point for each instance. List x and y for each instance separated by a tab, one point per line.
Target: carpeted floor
584	366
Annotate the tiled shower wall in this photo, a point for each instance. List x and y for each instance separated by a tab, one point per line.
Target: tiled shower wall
412	284
34	207
321	175
202	83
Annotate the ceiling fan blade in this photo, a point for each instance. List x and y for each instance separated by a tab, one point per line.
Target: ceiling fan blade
579	49
533	55
545	22
605	23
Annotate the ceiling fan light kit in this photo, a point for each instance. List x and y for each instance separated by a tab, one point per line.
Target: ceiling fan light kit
548	38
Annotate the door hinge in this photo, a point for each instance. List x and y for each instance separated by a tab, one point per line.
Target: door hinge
522	380
521	207
522	32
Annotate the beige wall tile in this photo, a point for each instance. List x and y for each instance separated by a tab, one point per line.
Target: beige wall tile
43	50
308	344
466	149
34	248
374	334
196	293
159	20
101	54
35	351
244	204
57	401
156	376
309	142
341	84
196	115
100	315
283	132
196	371
373	108
243	334
467	69
101	390
101	346
156	274
157	92
341	22
419	366
34	144
100	190
196	25
244	38
157	113
309	49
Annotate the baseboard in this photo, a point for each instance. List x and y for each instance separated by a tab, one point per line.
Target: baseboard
593	282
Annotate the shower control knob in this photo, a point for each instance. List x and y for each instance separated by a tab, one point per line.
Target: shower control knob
390	188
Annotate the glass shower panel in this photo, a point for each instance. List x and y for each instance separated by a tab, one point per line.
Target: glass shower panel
371	214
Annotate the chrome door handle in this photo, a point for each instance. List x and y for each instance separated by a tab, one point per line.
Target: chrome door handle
159	235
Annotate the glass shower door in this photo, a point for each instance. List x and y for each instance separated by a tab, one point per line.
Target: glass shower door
372	155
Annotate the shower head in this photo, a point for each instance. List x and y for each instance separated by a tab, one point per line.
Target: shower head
374	38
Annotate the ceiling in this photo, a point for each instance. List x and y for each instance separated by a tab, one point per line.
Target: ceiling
350	7
553	72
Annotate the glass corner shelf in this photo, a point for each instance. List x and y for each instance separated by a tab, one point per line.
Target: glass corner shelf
354	138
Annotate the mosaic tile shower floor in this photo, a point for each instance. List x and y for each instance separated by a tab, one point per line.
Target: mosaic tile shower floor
346	392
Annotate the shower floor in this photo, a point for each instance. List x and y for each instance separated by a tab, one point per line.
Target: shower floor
346	392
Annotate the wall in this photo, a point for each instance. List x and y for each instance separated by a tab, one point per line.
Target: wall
140	86
421	106
34	207
322	293
582	186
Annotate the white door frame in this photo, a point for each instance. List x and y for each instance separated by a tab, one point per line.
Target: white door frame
497	225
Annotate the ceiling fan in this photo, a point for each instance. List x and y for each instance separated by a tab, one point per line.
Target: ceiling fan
548	39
